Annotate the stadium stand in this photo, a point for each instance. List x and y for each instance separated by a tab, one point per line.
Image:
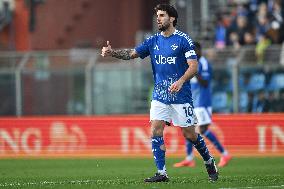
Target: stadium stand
277	82
256	82
212	25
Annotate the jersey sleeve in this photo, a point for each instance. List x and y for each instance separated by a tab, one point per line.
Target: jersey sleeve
188	48
143	48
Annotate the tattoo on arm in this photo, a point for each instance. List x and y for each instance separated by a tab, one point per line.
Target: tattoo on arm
124	54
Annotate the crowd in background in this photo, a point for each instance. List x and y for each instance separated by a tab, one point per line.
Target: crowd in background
252	22
255	23
266	102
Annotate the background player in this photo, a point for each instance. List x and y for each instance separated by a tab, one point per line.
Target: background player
174	63
201	92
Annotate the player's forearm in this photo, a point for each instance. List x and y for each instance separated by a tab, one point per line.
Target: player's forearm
188	75
190	72
124	54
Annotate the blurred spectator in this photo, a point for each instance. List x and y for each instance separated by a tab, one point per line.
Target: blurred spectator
250	101
252	6
252	19
276	22
249	38
260	104
220	33
262	44
237	31
234	40
273	101
279	106
262	22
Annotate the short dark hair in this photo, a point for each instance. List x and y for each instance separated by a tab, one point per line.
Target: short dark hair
197	45
198	49
171	11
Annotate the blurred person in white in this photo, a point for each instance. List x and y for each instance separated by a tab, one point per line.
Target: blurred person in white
202	101
276	21
174	63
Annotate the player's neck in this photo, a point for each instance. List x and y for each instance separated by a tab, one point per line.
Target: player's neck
169	31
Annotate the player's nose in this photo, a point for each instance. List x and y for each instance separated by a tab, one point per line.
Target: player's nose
158	19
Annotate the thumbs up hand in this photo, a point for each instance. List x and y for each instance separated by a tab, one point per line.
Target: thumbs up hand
106	51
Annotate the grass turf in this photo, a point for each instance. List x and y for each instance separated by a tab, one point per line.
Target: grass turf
129	173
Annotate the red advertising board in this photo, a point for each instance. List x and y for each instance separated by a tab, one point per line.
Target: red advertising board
109	136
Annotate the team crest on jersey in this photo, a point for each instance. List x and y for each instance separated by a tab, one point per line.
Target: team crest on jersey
174	46
156	48
189	121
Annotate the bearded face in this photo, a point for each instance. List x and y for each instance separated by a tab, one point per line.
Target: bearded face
163	26
163	20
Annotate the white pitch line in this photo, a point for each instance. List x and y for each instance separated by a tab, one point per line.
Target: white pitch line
251	187
48	183
45	183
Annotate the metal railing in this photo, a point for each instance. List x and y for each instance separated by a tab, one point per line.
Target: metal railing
79	82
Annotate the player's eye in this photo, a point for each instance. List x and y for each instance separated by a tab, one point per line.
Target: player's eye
160	15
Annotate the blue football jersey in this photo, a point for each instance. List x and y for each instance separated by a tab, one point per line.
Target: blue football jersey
201	94
169	62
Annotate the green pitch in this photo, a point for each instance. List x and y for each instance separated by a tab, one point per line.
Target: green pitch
129	174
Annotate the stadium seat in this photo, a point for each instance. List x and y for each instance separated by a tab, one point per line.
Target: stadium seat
256	82
276	82
243	101
219	102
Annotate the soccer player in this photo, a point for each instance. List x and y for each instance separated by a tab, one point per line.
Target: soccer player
201	92
174	63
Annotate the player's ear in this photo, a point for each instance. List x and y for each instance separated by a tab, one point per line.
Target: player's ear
172	19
